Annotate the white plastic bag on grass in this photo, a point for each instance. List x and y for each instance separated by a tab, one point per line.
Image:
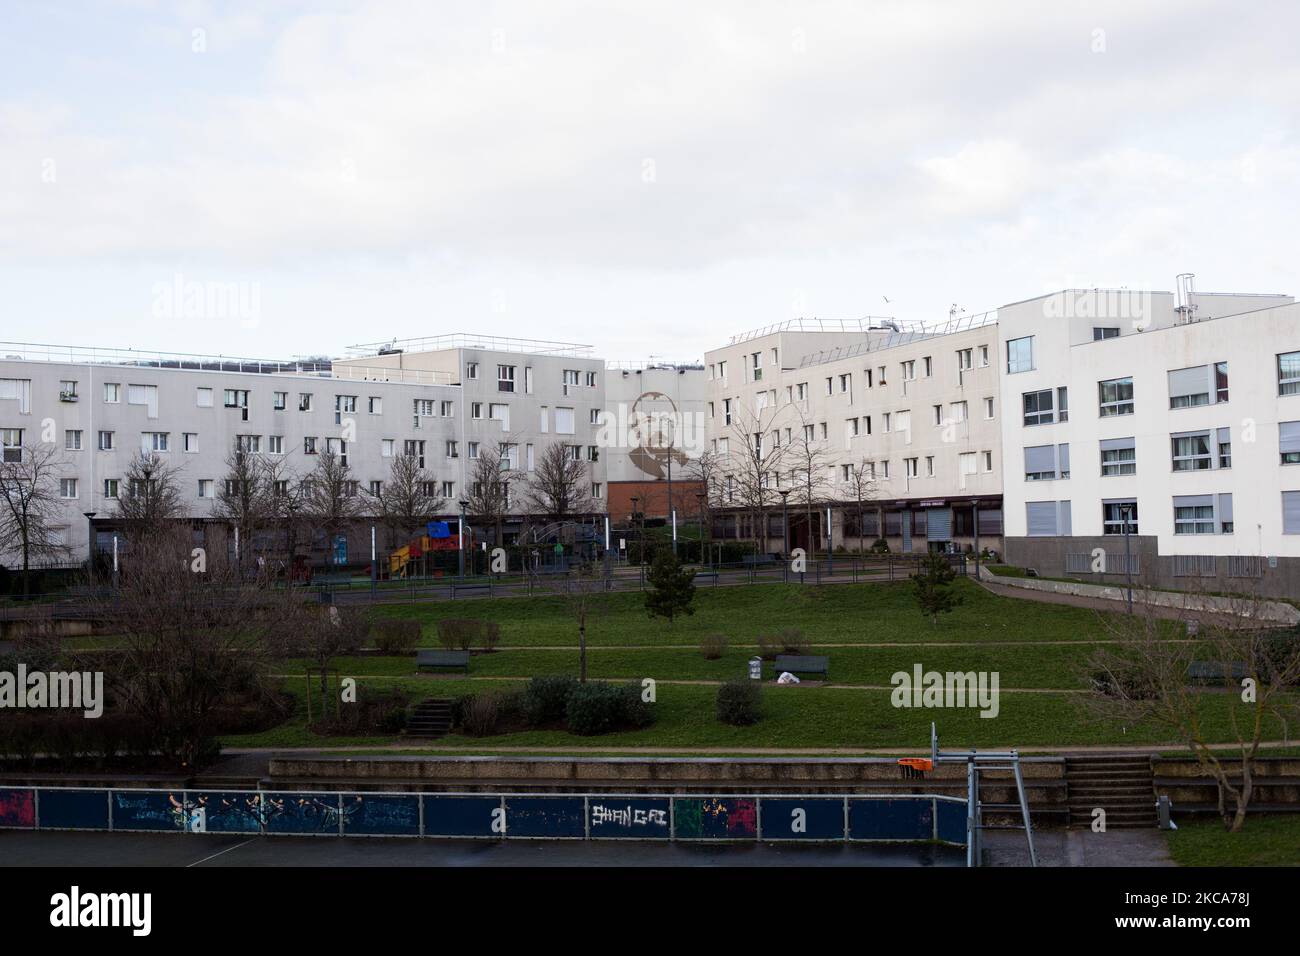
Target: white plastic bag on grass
787	678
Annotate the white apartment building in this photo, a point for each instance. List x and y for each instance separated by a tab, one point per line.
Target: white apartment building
442	400
1176	413
900	426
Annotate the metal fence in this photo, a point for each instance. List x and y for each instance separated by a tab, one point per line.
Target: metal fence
504	816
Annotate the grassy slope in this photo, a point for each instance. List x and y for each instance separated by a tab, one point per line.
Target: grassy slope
1264	841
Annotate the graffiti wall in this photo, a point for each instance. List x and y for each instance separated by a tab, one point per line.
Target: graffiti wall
487	816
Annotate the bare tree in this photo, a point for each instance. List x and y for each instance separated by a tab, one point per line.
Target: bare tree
195	639
584	590
404	503
559	487
752	464
861	488
29	504
488	495
246	500
1147	674
808	470
330	496
149	499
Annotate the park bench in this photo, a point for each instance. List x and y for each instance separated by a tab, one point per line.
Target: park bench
457	587
803	664
1214	671
428	658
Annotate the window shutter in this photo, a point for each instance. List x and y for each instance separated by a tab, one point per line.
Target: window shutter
1190	381
1040	518
1288	437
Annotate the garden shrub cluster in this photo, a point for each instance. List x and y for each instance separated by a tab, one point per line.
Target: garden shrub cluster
395	636
555	702
462	634
740	702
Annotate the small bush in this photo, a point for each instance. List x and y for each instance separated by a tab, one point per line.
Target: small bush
768	646
713	646
792	641
880	546
457	634
637	713
546	701
740	702
481	714
396	636
594	708
491	632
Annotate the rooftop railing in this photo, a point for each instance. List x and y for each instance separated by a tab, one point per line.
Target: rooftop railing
92	355
959	323
465	340
864	324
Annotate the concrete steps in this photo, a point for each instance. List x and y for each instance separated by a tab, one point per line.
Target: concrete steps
1122	785
429	718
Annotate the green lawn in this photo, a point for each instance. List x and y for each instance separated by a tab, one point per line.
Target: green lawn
833	613
987	633
1264	841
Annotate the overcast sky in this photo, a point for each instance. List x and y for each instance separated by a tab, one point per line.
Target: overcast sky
646	177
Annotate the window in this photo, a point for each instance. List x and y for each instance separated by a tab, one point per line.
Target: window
471	450
446	409
72	439
375	405
988	408
1191	451
1116	513
1288	442
376	488
453	449
887	417
448	489
344	405
801	391
927	366
235	398
500	413
110	487
252	444
67	487
594	416
564	421
309	445
275	444
1288	373
966	464
570	376
1020	355
1225	447
476	410
884	469
505	378
413	448
189	441
929	466
846	384
279	400
153	441
593	453
591	379
965	359
984	356
1220	382
909	370
1107	332
423	406
958	410
105	441
597	489
387	446
1194	514
1291	511
830	385
1038	408
1191	387
304	401
205	487
851	427
67	390
112	393
938	414
1118	457
988	461
1047	518
1115	396
1047	462
471	370
910	467
203	397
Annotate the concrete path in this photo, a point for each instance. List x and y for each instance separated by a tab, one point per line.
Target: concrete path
1142	848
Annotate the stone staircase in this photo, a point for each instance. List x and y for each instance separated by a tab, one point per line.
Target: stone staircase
1121	784
429	718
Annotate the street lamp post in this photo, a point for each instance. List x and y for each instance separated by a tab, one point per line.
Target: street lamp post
640	555
90	540
1125	510
460	536
785	532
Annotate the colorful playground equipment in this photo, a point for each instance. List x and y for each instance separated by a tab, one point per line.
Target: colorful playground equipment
399	561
